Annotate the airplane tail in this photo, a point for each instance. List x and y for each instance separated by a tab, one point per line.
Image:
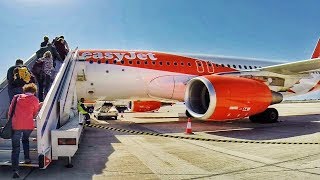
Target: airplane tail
316	52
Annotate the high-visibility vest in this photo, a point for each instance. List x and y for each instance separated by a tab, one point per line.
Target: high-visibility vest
80	109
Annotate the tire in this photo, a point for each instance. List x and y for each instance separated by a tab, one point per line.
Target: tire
271	115
188	114
116	117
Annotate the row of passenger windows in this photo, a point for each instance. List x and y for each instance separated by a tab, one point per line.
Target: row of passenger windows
182	64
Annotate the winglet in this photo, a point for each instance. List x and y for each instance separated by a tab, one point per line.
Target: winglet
316	52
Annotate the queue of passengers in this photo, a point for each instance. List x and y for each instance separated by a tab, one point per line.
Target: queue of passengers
50	58
22	91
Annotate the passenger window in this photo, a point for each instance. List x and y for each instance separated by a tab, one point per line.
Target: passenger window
245	67
122	62
168	63
99	62
146	62
182	64
250	67
259	66
160	62
209	65
114	62
175	63
228	65
240	67
138	62
107	62
189	64
153	63
234	66
222	65
199	64
217	65
255	67
130	62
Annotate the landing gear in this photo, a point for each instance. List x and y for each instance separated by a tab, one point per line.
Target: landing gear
270	115
188	114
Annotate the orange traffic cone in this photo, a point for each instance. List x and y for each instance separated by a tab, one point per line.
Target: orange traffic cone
189	129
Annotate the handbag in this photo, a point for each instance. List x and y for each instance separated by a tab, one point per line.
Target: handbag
6	131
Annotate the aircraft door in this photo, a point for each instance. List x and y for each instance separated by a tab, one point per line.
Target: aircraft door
210	67
200	67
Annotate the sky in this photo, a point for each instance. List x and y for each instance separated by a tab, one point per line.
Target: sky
269	29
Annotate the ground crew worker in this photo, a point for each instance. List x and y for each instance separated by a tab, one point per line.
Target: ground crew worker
84	110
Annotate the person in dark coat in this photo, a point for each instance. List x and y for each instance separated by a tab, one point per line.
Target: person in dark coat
52	49
45	41
59	44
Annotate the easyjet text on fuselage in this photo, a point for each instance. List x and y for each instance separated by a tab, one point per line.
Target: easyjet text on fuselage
117	56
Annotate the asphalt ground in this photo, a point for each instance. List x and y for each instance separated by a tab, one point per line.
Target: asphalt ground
105	154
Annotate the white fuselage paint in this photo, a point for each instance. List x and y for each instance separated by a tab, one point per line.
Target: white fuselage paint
114	81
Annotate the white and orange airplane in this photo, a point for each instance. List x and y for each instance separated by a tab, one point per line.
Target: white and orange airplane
213	87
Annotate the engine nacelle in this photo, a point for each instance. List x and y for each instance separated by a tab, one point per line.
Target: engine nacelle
144	106
220	98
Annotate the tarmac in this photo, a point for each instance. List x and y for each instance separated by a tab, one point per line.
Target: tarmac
105	154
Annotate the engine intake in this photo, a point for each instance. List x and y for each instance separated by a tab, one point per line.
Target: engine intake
221	98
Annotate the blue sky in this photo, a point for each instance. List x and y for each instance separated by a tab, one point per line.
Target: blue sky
270	29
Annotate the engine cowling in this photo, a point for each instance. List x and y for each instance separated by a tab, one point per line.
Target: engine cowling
144	106
220	98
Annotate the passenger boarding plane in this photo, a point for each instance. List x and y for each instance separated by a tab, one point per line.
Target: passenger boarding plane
213	88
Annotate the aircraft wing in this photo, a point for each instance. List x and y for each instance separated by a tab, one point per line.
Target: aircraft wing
298	67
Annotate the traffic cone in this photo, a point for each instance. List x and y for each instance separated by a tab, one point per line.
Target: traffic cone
189	129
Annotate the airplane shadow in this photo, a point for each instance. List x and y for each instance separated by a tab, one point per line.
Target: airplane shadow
288	126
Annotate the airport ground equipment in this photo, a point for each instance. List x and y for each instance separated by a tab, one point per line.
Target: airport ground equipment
58	129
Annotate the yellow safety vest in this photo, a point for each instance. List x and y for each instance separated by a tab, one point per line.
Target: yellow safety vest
80	109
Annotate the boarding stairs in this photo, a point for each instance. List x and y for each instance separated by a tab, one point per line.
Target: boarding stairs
58	108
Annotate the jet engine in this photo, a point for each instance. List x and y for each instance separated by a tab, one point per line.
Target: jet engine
220	98
144	106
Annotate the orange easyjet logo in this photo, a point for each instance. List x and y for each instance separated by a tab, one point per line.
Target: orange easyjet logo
118	56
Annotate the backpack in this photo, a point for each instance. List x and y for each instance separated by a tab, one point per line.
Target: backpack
21	75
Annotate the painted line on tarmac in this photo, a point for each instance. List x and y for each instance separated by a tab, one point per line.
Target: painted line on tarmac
200	139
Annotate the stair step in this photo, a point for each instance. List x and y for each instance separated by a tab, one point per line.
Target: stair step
6	158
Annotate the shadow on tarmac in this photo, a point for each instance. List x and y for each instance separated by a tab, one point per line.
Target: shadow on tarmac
90	159
288	126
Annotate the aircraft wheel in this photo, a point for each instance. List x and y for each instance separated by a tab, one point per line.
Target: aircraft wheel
188	114
270	115
116	117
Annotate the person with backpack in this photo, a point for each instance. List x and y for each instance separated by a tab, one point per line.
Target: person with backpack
17	76
24	107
